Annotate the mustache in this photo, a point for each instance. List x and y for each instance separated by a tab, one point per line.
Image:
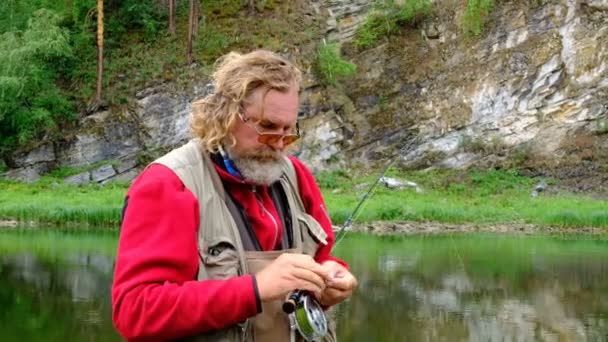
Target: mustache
264	154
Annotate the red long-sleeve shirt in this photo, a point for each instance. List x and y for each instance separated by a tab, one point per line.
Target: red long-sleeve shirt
155	296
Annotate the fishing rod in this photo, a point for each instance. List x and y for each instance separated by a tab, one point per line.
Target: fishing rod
305	313
349	221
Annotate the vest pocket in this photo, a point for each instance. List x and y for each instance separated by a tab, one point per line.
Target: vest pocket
221	260
312	234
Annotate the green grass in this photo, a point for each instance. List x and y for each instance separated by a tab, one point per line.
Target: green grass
387	17
475	16
477	197
330	66
52	202
488	197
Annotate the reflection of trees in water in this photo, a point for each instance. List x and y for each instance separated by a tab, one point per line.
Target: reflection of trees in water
55	300
548	299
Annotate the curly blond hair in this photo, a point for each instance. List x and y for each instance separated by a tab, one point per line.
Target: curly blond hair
236	77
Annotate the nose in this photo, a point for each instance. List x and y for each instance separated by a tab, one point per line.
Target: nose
278	145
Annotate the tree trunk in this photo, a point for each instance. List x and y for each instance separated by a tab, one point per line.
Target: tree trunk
251	7
197	17
99	50
171	17
191	14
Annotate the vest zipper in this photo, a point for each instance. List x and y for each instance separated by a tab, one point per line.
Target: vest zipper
244	330
274	221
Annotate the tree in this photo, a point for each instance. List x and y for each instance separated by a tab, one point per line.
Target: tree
192	27
99	51
31	105
251	7
197	16
171	4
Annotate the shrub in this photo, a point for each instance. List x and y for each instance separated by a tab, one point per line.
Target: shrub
387	17
475	15
332	179
329	65
601	126
30	103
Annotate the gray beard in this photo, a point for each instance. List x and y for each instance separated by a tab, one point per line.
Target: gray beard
259	171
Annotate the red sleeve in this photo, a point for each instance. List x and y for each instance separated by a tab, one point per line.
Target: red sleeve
315	206
154	293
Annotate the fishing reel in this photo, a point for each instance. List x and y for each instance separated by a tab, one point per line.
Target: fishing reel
306	315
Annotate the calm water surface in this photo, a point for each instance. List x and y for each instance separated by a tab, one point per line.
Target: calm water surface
54	286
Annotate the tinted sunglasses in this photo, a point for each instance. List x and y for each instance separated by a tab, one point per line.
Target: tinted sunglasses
272	138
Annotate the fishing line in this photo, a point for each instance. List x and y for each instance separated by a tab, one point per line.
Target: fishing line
356	212
306	315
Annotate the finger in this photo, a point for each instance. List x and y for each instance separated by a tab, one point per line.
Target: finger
347	282
332	296
308	276
303	260
311	265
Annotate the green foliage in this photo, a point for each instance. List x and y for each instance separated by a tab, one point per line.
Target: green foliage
476	15
387	17
17	13
127	16
601	126
329	65
494	196
30	103
480	197
376	26
331	179
224	8
210	43
412	11
493	182
52	202
137	53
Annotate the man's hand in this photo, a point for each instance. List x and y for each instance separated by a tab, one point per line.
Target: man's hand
340	285
291	272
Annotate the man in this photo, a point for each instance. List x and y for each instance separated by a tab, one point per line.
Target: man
218	232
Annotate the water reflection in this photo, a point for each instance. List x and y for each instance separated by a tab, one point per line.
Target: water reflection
477	289
474	288
55	298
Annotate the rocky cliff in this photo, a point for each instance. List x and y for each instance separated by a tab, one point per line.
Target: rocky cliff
530	92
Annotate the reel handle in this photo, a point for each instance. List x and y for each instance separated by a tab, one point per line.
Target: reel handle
290	304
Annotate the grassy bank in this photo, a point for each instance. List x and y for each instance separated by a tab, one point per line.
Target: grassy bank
477	197
480	197
51	202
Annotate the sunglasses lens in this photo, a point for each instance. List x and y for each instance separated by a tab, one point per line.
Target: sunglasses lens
289	139
270	138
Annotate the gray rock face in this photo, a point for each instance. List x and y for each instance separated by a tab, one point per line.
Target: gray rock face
44	153
345	16
28	173
536	76
102	173
81	178
116	140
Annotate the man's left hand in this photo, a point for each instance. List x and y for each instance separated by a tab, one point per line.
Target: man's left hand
339	287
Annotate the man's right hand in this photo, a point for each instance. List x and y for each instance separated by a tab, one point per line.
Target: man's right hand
291	272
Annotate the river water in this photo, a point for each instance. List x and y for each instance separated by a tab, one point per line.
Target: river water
54	286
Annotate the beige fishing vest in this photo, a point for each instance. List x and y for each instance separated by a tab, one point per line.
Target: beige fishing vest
220	247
